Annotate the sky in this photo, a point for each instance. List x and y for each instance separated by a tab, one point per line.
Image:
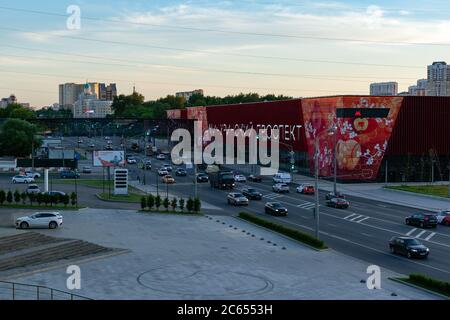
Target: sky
295	48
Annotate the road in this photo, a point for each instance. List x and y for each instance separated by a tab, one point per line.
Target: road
361	231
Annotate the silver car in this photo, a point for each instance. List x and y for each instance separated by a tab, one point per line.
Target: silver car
33	188
22	179
237	199
47	220
280	188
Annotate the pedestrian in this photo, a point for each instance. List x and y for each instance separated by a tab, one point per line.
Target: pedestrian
138	179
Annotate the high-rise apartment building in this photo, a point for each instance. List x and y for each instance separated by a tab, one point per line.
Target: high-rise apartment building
69	93
187	94
420	89
438	81
384	89
89	106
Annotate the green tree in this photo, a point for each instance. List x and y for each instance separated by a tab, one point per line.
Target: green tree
39	198
190	205
31	197
150	201
123	103
197	205
23	196
17	196
181	204
174	204
73	198
16	138
157	202
66	200
143	202
2	197
9	197
166	204
46	198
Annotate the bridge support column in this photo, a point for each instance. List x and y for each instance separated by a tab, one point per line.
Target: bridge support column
46	180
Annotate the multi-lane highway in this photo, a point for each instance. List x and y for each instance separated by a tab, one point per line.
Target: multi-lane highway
361	231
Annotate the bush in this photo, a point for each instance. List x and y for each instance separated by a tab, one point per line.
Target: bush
143	202
31	197
2	197
174	204
157	202
166	204
9	197
39	198
197	205
291	233
151	201
66	200
17	196
73	198
430	283
190	205
46	198
24	197
181	204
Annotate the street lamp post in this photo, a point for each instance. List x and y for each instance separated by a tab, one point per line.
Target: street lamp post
333	131
316	173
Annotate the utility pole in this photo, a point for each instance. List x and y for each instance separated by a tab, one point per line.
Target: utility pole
449	181
316	167
195	181
335	162
386	174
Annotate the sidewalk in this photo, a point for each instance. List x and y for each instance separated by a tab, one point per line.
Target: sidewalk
376	191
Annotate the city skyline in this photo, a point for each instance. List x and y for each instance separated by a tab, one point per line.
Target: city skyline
281	47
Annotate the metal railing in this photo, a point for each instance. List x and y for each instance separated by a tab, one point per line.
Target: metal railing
20	291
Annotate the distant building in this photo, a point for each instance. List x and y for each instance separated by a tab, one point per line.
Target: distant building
384	89
89	106
187	94
69	93
7	101
438	80
420	89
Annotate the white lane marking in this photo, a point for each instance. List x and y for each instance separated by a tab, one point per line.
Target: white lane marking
420	233
411	231
352	215
357	217
306	205
272	196
363	219
430	236
367	235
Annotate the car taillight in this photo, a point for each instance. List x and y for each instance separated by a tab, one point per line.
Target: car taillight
426	218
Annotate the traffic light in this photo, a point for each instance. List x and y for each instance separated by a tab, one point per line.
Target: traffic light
362	113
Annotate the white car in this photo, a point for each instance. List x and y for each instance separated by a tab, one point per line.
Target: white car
168	167
280	188
50	220
33	174
22	179
33	188
163	172
282	177
161	156
131	160
240	178
441	215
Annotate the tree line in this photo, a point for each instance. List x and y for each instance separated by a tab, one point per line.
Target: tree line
151	202
37	198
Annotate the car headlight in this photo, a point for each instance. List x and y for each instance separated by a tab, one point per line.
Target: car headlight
427	249
413	250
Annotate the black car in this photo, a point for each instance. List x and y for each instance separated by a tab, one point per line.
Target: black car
202	177
276	209
55	193
180	172
331	195
69	174
339	203
410	247
254	178
422	220
252	194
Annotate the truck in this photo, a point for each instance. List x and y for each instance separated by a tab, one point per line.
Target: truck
221	179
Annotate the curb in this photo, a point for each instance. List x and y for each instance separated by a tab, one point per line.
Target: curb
418	194
282	235
420	288
105	200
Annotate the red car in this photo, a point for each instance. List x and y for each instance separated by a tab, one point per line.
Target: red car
305	189
443	217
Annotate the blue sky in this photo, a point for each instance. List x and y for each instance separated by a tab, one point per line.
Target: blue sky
158	46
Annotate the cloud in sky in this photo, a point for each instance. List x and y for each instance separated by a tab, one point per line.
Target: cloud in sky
324	20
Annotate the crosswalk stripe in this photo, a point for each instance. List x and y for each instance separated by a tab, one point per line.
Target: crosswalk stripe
364	219
421	233
352	215
306	205
272	196
357	217
430	236
411	232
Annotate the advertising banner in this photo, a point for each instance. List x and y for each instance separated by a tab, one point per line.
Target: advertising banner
109	158
360	142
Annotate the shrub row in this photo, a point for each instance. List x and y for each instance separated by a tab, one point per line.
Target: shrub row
291	233
39	198
439	286
151	202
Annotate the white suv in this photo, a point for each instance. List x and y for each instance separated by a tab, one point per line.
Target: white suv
50	220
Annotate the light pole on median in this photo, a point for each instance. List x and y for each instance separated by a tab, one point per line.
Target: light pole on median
333	131
316	173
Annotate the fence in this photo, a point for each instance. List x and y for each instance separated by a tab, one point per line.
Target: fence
19	291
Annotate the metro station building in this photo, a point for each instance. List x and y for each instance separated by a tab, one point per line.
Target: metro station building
413	141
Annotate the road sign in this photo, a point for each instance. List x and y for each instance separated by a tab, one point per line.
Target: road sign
120	182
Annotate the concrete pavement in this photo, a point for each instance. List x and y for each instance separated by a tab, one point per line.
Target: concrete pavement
217	257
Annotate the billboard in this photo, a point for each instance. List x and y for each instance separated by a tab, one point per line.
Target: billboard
361	142
109	158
